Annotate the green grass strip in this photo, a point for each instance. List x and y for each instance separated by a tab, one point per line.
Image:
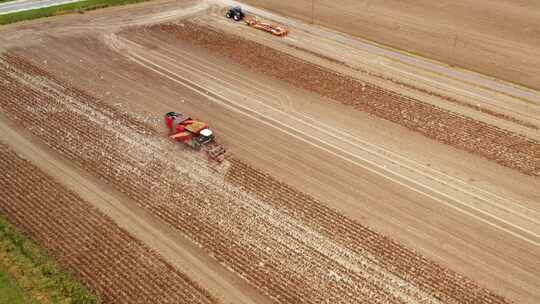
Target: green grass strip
33	271
11	293
79	7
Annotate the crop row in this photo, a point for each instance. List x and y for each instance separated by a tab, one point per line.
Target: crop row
106	258
284	243
407	264
187	212
505	147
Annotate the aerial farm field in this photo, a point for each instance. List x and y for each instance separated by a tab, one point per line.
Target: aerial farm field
499	38
353	173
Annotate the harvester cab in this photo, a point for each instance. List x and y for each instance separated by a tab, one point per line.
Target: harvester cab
235	13
206	136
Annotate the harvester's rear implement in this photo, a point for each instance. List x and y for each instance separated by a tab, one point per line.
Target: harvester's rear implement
267	27
216	152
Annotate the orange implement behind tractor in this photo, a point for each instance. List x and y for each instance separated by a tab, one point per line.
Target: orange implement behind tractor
195	134
271	28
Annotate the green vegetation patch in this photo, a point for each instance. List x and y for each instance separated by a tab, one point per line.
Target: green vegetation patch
10	292
32	276
79	7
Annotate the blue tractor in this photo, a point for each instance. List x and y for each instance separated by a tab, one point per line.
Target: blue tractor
235	13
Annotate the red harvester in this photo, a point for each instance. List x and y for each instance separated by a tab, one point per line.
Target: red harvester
195	134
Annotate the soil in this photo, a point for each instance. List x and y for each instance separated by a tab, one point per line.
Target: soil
301	232
498	38
504	147
319	201
107	259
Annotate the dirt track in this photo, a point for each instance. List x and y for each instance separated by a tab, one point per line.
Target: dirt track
467	215
498	38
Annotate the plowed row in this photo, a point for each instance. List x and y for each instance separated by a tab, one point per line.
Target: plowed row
404	84
504	147
277	239
358	238
115	265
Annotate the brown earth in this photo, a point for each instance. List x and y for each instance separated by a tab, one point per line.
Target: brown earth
116	266
499	38
506	148
495	102
189	212
467	216
445	97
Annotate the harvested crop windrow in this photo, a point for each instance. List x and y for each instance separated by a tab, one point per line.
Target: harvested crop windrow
355	237
259	234
506	148
425	91
119	268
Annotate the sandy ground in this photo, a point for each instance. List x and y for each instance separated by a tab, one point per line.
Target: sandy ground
499	38
465	212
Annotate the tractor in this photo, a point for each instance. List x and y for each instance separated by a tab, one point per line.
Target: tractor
235	13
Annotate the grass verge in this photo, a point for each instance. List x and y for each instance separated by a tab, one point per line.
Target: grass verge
79	7
27	266
10	292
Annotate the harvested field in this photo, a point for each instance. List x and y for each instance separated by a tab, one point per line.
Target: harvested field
498	37
351	177
286	244
357	238
404	84
116	266
504	147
